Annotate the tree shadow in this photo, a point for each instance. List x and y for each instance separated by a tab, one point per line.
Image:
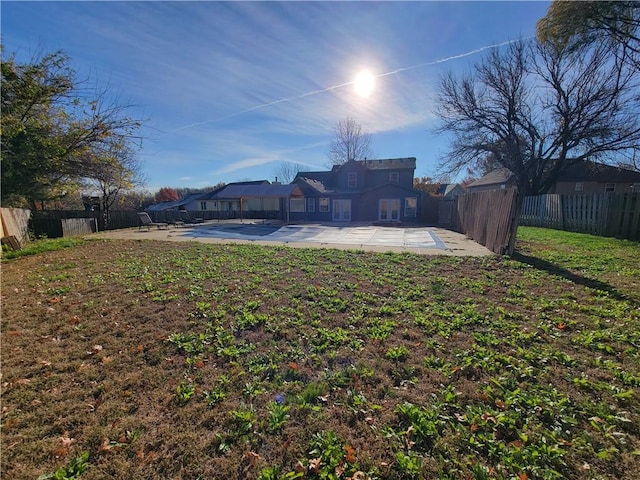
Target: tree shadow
554	269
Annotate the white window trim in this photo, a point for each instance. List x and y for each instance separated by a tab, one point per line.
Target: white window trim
394	177
579	187
323	205
297	205
311	204
406	207
354	176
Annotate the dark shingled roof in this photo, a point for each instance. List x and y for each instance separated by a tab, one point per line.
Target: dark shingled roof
389	163
264	191
495	177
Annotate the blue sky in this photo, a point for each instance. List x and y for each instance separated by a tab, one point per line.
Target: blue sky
232	89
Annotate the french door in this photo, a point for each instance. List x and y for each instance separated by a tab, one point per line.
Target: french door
389	210
342	210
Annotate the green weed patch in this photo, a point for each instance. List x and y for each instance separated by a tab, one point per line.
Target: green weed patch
183	360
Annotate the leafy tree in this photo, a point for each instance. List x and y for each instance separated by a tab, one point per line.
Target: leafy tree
426	184
350	142
538	110
52	127
134	200
575	25
167	194
120	171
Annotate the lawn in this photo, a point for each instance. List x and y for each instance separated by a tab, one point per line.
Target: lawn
154	360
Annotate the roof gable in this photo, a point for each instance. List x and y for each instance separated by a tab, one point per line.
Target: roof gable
494	177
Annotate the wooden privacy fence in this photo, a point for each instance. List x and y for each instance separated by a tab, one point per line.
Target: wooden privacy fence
605	214
59	223
487	217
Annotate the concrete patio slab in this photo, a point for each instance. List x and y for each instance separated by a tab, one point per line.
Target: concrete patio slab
420	240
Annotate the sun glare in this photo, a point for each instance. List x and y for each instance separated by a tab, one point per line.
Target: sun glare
363	84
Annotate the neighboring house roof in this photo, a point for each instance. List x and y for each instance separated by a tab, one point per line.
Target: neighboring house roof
450	189
580	172
194	197
260	190
599	172
495	177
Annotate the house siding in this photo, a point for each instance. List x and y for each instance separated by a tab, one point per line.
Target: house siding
569	188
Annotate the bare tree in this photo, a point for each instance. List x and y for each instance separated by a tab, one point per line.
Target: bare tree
118	172
538	109
285	172
350	142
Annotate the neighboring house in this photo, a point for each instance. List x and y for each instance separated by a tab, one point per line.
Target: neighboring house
185	203
450	191
499	178
359	190
206	201
592	177
268	199
584	177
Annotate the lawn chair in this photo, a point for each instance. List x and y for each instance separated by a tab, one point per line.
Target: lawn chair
186	218
145	221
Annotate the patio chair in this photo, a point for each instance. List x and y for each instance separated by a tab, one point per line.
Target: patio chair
145	221
186	217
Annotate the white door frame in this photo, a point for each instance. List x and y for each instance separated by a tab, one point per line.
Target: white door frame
390	210
340	213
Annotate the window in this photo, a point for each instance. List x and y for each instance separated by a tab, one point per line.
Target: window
394	177
410	206
323	204
610	187
203	205
311	204
579	186
297	205
635	187
352	180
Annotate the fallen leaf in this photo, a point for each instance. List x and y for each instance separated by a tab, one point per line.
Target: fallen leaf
314	464
253	457
106	360
66	441
351	453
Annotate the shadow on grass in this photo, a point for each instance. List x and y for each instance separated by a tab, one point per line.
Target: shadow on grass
554	269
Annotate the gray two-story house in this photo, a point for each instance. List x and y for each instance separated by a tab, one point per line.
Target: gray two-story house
359	190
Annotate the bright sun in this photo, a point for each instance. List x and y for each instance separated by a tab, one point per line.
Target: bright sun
363	84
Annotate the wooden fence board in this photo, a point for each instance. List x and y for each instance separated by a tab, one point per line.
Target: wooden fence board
607	214
486	217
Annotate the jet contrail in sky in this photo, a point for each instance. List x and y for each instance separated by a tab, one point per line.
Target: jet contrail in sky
346	84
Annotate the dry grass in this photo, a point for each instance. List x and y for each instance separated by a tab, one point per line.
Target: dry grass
237	361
